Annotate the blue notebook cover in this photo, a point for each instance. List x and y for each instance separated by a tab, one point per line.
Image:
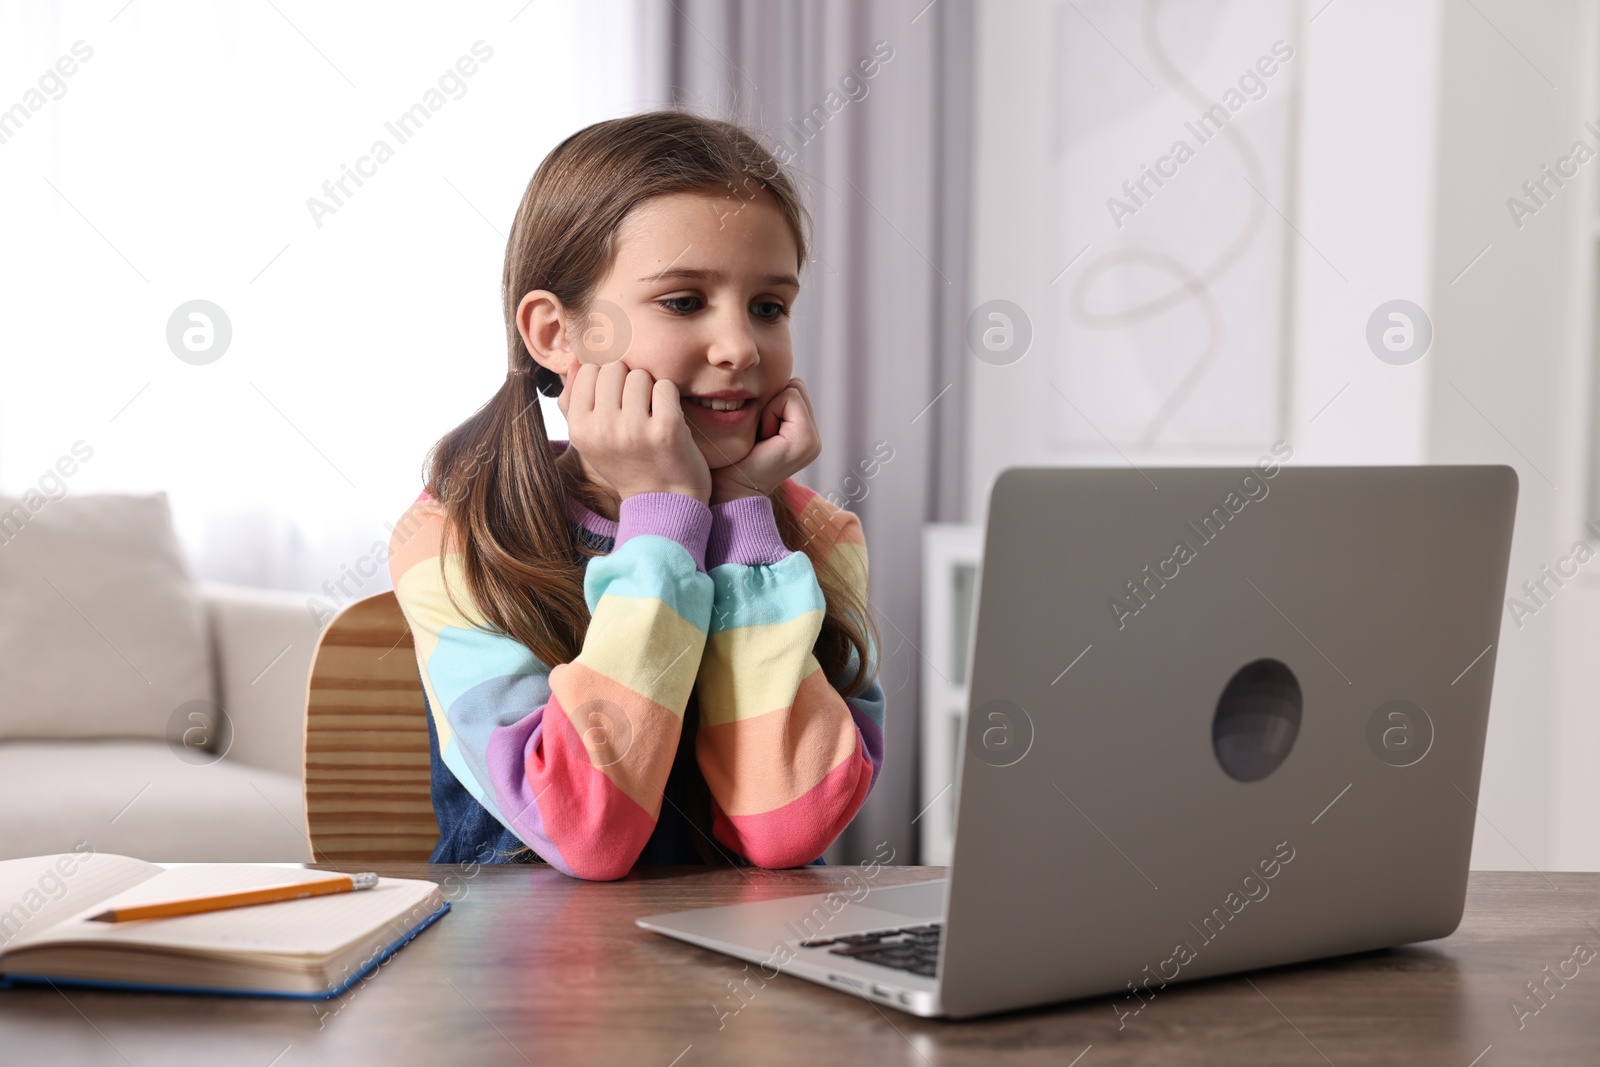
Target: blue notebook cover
8	981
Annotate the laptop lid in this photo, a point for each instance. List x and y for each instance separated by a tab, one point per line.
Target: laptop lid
1219	719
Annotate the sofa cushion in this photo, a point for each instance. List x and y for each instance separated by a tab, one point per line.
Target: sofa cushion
136	798
102	629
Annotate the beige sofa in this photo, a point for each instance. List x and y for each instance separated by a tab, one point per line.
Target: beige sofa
114	663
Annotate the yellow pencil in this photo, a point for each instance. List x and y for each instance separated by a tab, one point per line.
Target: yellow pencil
339	883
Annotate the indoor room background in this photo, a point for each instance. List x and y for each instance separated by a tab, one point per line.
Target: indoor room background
1077	232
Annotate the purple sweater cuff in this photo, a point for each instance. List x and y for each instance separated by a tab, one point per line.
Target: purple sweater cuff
682	518
744	531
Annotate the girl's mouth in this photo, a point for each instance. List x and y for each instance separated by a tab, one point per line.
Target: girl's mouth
723	409
716	404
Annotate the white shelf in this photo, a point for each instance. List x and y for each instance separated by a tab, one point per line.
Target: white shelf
951	554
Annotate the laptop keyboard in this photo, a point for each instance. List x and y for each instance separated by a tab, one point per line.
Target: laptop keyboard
909	948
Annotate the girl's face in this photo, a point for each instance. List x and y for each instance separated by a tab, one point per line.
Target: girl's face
699	294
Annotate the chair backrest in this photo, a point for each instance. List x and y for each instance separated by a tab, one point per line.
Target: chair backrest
367	764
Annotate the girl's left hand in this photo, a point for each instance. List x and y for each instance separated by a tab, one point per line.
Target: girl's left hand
786	442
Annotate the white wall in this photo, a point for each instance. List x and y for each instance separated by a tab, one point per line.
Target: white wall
1363	197
1012	250
1513	338
1416	122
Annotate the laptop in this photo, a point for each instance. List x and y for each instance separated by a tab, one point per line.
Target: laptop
1218	720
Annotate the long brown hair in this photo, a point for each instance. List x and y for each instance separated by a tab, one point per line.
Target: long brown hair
495	474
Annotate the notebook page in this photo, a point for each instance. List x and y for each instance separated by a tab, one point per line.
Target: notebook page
39	891
314	926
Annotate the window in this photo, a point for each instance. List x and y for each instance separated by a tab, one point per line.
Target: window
337	187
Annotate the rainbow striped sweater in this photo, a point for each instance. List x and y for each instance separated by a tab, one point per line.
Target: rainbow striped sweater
574	759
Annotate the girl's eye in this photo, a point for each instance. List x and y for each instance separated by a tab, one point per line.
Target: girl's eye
775	312
673	300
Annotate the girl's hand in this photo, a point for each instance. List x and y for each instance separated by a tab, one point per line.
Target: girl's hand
629	429
786	441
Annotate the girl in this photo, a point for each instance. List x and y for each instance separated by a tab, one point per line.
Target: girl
646	644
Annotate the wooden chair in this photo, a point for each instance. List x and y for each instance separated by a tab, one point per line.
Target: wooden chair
366	763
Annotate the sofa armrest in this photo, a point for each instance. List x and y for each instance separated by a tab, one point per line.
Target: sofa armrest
264	640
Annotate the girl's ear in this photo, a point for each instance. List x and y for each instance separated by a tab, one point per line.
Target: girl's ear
541	320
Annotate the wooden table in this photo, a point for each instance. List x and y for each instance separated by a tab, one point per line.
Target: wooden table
532	967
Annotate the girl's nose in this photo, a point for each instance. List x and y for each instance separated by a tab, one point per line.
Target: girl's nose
735	346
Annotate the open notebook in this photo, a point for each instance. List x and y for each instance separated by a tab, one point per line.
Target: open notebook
313	947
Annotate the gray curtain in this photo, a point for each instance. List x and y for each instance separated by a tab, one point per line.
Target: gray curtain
879	324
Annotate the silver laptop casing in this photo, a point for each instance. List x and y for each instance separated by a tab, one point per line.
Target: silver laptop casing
1100	847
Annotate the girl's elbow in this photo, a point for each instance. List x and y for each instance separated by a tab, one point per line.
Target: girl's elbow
796	849
594	862
606	870
798	834
782	855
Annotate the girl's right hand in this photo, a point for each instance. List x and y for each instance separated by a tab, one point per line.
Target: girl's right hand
630	430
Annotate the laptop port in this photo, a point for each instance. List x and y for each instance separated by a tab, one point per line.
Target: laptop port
883	991
842	980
